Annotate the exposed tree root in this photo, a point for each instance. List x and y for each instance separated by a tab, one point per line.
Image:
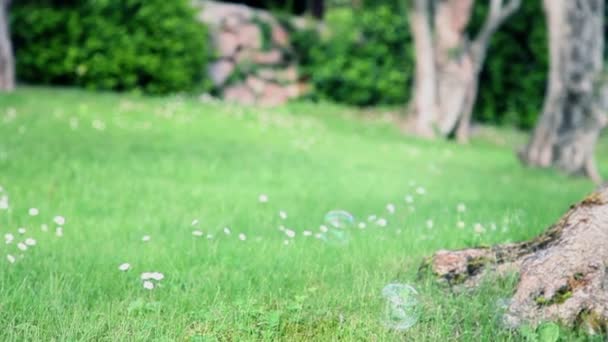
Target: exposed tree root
563	273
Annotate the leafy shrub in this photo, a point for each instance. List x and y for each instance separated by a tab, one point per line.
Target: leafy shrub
365	61
153	45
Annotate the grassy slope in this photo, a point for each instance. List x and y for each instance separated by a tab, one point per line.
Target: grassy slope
160	163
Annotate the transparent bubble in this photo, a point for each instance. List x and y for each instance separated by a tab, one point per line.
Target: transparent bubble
402	306
339	219
336	232
336	237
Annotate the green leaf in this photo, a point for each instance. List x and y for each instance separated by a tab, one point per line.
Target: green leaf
548	332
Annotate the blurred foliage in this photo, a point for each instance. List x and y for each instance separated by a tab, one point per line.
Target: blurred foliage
514	77
366	60
156	46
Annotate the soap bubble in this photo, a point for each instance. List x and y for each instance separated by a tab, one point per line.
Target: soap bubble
402	306
335	232
337	237
339	219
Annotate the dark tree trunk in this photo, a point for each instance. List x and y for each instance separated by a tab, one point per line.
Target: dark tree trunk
573	114
563	273
7	63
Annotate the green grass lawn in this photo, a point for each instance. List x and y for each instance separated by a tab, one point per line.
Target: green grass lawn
121	167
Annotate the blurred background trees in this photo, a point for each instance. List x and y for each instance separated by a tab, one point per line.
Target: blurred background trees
7	63
361	54
364	57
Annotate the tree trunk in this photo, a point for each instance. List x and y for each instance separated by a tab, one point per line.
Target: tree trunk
563	273
448	64
7	64
572	116
424	101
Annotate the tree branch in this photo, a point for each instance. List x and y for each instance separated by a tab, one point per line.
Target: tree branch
499	12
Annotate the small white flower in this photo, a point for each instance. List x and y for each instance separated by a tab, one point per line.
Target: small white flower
157	276
242	237
4	202
263	198
33	211
145	238
460	224
409	199
323	228
30	242
124	267
227	231
390	208
209	236
10	258
429	224
60	220
286	242
461	208
382	222
290	233
194	222
371	218
21	230
282	215
479	229
197	233
318	235
44	227
146	276
59	231
73	123
307	233
362	225
98	125
282	228
22	246
148	285
8	238
420	190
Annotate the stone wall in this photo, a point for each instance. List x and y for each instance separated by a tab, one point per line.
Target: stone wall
255	62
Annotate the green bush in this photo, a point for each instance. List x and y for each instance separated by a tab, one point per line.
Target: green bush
366	60
153	45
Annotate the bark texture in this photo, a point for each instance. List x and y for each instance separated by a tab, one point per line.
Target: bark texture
448	63
7	63
573	112
563	273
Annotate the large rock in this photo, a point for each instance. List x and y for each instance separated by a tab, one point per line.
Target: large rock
214	13
273	95
238	41
287	75
280	36
220	71
239	93
268	57
226	43
249	36
256	84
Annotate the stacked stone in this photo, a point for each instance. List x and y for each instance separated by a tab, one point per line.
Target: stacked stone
249	68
